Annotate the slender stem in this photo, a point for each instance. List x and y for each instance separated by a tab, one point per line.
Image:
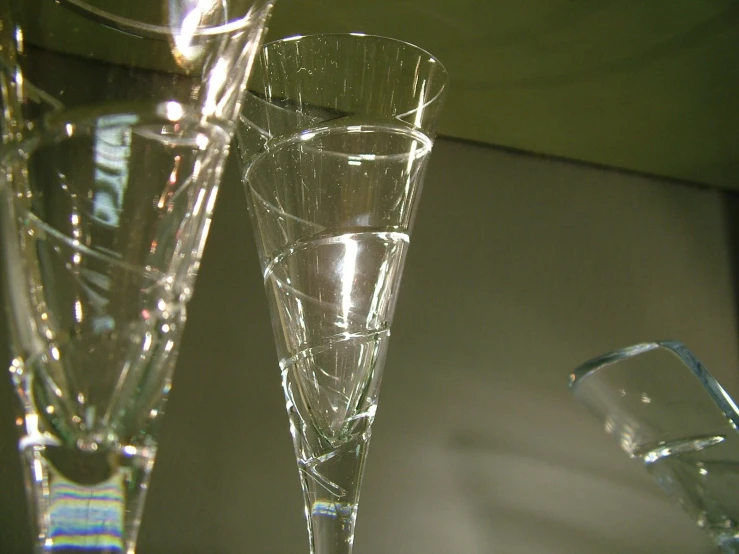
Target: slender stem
331	468
331	484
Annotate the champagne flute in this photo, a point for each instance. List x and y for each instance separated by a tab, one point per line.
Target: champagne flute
116	125
335	137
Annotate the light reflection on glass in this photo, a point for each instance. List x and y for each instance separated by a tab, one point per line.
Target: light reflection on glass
78	315
218	77
112	151
421	105
111	157
174	111
186	19
349	268
19	40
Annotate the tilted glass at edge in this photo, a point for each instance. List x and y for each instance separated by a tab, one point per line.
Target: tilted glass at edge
666	410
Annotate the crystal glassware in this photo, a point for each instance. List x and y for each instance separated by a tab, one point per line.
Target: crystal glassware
116	126
86	53
336	135
304	81
666	410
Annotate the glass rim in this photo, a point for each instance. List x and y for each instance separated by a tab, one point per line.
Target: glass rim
359	35
723	401
442	88
304	139
151	30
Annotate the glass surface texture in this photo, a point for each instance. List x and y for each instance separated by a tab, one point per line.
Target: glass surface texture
335	138
666	410
116	124
301	82
101	220
92	53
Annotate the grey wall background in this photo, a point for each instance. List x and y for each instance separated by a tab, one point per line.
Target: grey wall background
649	86
521	268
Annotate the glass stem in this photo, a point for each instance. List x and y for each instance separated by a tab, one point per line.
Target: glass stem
331	483
86	501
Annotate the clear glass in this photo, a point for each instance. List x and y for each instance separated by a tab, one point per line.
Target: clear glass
94	53
333	172
666	410
97	282
300	82
116	124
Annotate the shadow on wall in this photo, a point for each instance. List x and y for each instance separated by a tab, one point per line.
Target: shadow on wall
13	508
731	216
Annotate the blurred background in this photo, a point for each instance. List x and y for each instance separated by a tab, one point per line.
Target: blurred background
581	198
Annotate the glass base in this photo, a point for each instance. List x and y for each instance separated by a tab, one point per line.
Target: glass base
88	501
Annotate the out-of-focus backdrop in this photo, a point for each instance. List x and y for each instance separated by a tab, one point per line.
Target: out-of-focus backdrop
593	210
